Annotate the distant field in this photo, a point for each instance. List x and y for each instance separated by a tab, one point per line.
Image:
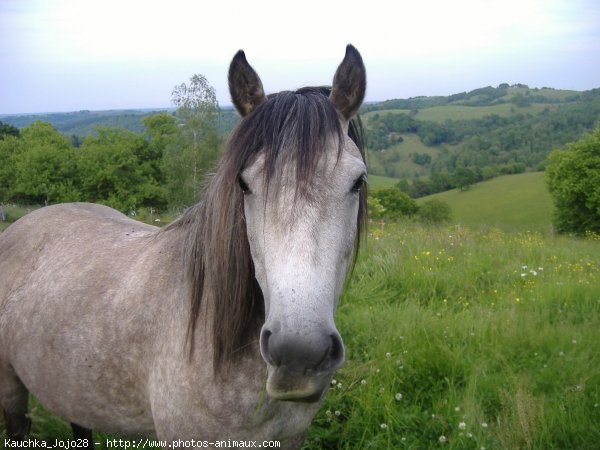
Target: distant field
510	202
398	157
466	112
552	94
379	182
383	112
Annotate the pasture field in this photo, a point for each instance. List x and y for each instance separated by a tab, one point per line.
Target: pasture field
399	156
466	112
379	182
459	338
466	339
519	201
441	113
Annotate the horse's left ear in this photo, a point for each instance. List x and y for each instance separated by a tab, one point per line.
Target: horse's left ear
245	87
349	84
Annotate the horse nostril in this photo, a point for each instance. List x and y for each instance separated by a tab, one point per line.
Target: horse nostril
265	334
337	349
334	355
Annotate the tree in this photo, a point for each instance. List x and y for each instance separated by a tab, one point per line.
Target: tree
573	178
421	159
434	211
395	203
464	178
9	147
116	170
160	130
8	130
375	210
192	153
44	167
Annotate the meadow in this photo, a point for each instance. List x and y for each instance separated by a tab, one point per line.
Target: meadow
441	113
515	202
468	339
461	338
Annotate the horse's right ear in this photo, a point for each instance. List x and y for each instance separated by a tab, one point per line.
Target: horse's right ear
245	87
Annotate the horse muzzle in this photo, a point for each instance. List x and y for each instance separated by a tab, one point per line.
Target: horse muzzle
301	362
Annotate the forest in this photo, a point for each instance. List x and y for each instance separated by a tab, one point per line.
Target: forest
132	159
163	166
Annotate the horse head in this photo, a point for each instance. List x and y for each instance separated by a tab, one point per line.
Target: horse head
303	202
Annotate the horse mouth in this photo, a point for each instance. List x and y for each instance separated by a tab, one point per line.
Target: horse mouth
285	385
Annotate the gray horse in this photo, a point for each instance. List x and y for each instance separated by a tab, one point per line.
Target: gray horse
220	326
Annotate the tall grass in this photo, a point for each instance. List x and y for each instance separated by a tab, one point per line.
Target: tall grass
466	340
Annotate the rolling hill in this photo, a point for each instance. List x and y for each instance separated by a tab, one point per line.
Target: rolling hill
491	131
519	201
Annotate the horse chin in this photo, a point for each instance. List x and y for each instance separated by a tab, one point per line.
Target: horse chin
287	385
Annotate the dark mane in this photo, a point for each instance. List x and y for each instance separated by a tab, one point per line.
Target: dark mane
289	128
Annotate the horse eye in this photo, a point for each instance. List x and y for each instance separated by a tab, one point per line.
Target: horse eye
358	184
243	185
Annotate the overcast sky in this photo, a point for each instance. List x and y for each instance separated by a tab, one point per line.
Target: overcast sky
69	55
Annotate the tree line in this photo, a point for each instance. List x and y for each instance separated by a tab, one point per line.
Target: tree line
475	150
161	167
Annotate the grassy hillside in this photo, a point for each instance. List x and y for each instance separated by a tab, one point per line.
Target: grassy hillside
396	161
379	182
465	339
513	201
487	128
441	113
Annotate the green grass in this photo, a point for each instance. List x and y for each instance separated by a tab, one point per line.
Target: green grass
552	94
442	113
464	112
379	182
474	338
382	112
398	156
513	201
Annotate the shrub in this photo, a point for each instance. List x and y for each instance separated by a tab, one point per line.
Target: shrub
435	211
573	178
395	203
